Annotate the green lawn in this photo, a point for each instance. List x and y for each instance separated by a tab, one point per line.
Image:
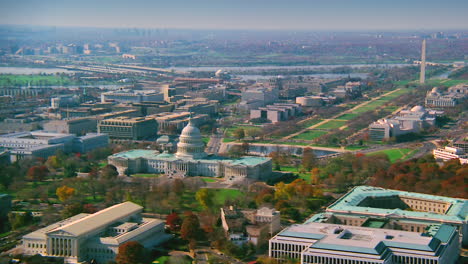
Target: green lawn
304	176
221	195
310	135
332	124
393	154
161	260
309	123
347	116
209	180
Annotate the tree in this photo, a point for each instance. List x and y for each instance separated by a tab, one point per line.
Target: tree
109	172
239	133
190	229
37	173
173	221
131	252
64	193
204	197
309	159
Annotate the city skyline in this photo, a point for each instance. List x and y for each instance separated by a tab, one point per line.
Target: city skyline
255	15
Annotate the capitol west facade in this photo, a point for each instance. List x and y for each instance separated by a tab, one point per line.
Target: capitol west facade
191	160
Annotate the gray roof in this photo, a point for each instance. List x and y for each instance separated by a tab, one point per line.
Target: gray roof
100	219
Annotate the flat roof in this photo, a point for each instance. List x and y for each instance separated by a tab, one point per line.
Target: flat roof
100	219
364	240
349	203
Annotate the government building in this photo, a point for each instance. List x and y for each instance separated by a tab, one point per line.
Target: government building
87	237
376	225
191	160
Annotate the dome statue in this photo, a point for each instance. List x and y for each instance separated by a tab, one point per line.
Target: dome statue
190	143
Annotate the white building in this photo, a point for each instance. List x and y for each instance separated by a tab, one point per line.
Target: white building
276	112
132	96
44	144
407	121
342	244
97	236
191	160
449	153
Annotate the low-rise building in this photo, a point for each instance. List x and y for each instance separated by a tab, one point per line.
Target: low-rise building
242	226
132	96
393	209
276	112
77	126
44	144
343	244
437	99
449	153
87	237
407	121
136	128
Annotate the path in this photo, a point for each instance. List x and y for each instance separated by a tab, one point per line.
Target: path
340	114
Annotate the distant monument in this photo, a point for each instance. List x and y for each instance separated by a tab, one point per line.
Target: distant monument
422	76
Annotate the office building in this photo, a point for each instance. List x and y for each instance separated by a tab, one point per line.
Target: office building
87	237
276	112
44	144
343	244
135	128
77	126
173	122
132	96
449	153
191	160
392	209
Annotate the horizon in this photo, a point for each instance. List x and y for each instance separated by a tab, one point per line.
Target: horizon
298	15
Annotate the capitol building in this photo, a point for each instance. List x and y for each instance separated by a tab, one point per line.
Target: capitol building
191	160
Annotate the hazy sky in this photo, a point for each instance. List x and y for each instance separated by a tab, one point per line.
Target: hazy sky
240	14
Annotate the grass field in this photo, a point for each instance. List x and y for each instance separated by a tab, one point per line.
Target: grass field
332	124
347	117
304	176
309	123
221	195
393	154
209	180
310	135
445	82
34	80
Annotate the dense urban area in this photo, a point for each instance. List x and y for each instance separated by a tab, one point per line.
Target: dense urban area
136	146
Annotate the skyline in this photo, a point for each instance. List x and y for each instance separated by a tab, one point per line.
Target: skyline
240	15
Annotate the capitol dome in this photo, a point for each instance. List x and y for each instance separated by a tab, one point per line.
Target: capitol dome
190	143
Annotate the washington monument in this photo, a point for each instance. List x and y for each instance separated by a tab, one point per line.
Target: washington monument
422	76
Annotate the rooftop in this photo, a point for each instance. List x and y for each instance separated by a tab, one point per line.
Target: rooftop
349	203
364	240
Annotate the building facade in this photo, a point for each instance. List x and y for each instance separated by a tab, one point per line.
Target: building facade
97	236
343	244
407	121
398	210
128	128
276	112
191	160
449	153
44	144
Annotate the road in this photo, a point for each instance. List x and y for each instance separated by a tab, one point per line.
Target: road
214	144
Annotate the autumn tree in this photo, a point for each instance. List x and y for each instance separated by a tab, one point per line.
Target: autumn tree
190	229
37	173
109	172
309	159
64	193
131	252
174	221
204	197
